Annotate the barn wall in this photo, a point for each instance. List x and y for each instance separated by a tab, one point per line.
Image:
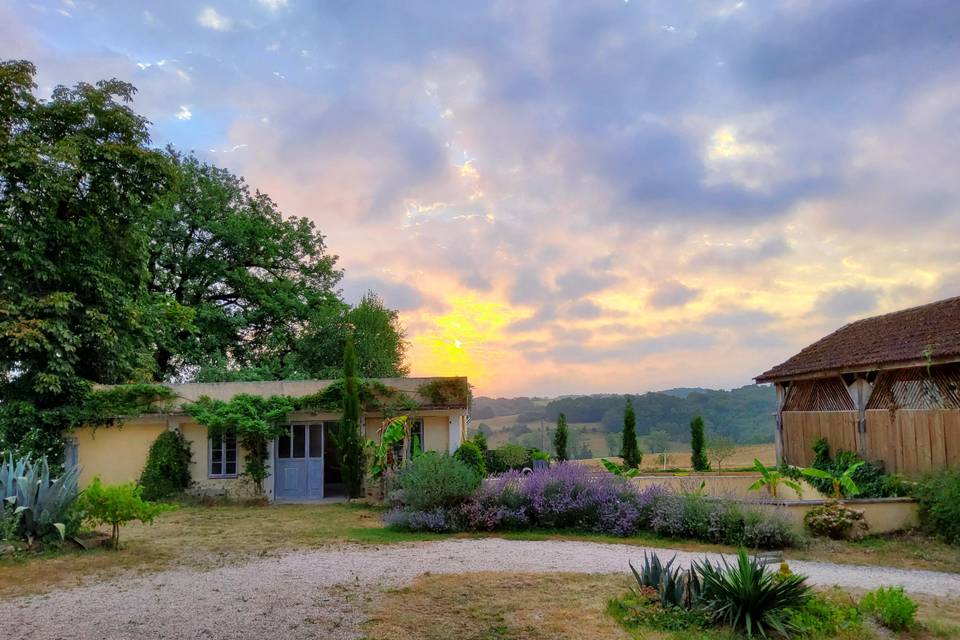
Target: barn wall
914	442
801	429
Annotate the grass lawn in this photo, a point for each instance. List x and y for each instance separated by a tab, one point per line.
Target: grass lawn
519	606
209	536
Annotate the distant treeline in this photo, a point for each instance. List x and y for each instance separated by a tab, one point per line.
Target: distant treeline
744	414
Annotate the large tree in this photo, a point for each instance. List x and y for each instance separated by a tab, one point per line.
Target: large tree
76	178
240	281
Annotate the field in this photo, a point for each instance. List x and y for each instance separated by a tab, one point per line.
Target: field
603	444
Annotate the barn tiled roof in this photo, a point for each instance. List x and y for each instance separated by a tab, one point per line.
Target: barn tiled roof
930	332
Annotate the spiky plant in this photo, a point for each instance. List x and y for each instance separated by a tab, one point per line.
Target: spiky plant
747	597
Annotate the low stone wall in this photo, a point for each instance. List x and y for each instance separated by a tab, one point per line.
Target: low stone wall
733	486
883	515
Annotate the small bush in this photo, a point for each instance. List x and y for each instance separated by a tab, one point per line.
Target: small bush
9	522
470	454
827	615
749	597
870	478
116	505
721	521
891	607
167	471
513	456
436	481
939	496
835	520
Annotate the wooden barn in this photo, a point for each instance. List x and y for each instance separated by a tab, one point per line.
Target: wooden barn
887	387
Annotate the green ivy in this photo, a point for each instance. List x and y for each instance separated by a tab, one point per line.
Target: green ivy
254	419
446	392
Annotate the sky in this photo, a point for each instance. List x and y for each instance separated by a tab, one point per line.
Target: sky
568	197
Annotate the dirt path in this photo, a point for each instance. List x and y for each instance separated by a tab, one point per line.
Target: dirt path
320	594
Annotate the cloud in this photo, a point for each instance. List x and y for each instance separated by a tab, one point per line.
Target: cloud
397	295
627	350
672	294
184	113
579	282
739	256
211	19
584	310
845	302
546	163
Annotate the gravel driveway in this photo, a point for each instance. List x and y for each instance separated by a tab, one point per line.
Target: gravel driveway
318	594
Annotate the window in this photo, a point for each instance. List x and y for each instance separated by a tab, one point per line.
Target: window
223	455
416	435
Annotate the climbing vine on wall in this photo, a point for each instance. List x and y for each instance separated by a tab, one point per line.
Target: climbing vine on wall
254	419
105	407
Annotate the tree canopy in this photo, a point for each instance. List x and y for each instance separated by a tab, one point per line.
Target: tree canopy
122	263
76	178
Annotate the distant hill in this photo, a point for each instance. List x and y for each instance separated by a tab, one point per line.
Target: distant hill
744	414
683	392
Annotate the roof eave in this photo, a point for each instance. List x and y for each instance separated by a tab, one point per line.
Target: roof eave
771	376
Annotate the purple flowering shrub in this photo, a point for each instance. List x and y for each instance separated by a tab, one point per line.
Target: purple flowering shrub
572	496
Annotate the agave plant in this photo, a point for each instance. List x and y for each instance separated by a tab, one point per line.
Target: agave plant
675	587
41	502
748	597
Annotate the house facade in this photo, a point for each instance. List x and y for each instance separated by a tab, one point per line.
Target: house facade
886	387
303	462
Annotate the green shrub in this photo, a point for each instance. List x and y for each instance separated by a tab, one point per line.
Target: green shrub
480	440
939	496
470	454
435	481
835	520
116	505
506	457
167	471
870	478
9	522
891	607
827	615
750	598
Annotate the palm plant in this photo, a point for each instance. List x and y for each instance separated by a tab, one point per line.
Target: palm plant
620	470
772	479
748	597
843	484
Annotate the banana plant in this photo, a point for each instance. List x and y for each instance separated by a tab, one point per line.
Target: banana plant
619	470
393	431
772	479
843	484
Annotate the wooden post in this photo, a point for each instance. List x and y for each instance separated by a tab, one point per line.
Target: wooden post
782	389
860	391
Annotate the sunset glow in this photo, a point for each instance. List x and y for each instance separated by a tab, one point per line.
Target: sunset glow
589	197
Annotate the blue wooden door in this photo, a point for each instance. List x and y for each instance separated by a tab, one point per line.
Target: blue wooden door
292	463
315	449
299	462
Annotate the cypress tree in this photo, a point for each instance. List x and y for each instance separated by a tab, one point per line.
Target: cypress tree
560	438
698	446
353	460
630	451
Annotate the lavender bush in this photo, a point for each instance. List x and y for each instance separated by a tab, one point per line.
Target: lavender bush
571	496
